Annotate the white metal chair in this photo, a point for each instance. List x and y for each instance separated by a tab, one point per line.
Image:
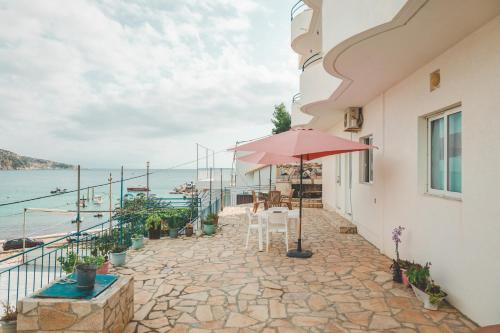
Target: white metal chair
253	224
277	222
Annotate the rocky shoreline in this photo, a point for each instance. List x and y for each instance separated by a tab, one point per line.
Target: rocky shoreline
13	161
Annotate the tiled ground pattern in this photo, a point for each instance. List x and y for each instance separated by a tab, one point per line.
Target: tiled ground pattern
212	284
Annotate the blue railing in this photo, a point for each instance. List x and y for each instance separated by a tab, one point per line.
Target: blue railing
25	272
231	193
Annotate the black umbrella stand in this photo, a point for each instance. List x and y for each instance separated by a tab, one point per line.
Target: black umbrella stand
299	253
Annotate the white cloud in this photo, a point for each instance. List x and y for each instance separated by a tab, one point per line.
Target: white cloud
107	82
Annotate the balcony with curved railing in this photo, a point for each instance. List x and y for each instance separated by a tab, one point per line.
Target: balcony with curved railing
316	84
298	117
311	60
297	8
304	24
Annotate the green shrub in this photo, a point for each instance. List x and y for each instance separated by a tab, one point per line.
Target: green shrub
153	221
418	275
118	248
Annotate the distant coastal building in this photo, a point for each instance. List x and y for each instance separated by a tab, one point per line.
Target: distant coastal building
252	175
420	80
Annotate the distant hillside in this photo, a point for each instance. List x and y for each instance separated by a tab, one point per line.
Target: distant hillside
12	161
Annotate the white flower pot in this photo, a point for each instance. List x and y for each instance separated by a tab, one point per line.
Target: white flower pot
422	296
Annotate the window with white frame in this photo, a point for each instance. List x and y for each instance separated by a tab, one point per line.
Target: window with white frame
366	161
444	153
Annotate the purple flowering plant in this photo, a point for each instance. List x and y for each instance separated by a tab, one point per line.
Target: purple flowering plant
396	237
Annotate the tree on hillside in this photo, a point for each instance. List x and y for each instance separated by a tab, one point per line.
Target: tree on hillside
281	119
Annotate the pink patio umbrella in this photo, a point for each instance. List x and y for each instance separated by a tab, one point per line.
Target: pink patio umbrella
306	144
268	159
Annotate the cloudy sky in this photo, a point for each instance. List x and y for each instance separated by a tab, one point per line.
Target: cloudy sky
111	82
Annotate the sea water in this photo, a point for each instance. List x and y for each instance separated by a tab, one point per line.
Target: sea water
19	185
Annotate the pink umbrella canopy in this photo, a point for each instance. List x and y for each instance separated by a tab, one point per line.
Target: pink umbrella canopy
301	142
305	144
268	158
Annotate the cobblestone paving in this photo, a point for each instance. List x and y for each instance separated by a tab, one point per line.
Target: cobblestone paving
212	284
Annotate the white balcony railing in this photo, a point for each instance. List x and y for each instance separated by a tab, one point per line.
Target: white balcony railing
298	117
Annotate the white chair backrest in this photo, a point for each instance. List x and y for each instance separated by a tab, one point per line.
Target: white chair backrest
277	219
250	215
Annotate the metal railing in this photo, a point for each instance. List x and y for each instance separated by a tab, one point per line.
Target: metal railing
25	272
298	8
311	60
231	193
296	98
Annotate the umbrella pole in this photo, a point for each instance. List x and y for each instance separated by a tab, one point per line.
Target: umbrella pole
299	253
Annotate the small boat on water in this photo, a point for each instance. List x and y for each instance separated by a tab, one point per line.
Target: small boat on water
74	221
57	190
138	189
98	200
99	215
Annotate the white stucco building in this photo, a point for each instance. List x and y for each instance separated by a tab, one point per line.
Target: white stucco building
426	74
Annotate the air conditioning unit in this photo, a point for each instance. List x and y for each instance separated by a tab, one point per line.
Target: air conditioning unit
353	119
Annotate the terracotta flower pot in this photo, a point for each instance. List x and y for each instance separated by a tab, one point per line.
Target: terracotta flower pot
406	282
104	269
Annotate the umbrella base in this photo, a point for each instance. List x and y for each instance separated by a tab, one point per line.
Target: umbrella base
299	254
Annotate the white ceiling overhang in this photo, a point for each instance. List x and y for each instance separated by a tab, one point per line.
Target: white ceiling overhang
371	62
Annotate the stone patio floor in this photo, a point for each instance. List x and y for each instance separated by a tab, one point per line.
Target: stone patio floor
213	284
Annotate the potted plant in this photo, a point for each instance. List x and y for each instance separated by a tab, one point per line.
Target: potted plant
174	224
213	217
118	255
153	223
404	265
209	224
189	229
436	295
396	269
68	262
86	271
8	323
424	288
102	246
137	240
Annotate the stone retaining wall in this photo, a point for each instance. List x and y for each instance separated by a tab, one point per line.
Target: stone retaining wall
109	312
